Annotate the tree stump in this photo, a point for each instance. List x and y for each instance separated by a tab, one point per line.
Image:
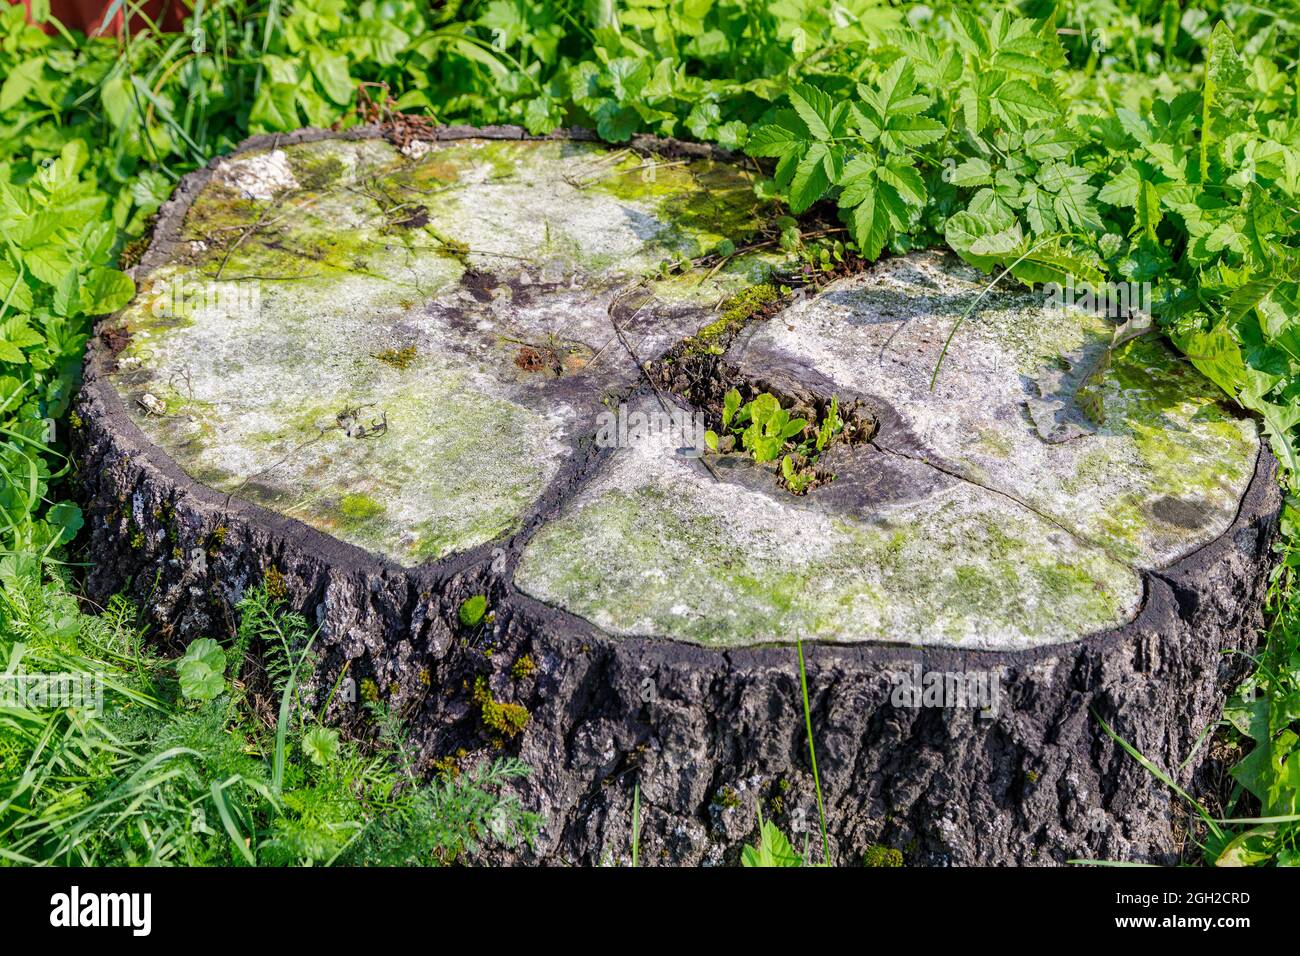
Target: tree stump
388	374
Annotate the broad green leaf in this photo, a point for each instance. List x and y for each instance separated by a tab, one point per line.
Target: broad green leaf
105	291
202	670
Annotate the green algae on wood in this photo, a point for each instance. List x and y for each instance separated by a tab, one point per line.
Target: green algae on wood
1160	474
402	350
961	525
656	545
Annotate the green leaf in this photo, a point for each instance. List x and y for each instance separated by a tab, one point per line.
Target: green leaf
67	294
975	171
105	291
67	518
1122	188
775	139
818	111
772	849
1217	356
275	109
984	239
321	745
1016	98
810	180
331	72
202	670
20	81
730	403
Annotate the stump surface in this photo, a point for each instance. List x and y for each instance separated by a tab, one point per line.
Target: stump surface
379	373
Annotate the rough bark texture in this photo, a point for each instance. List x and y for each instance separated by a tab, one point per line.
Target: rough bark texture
709	735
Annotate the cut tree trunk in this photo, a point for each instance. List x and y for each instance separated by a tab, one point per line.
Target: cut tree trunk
386	373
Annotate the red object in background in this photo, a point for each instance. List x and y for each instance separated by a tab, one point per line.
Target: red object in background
88	15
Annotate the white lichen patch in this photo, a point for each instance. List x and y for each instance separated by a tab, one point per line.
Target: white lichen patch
654	545
1160	469
260	176
401	352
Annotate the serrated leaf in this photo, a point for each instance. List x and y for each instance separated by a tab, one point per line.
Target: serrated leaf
775	140
1016	98
906	180
975	171
810	180
815	108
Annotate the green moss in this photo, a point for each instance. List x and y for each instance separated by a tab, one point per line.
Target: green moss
398	358
727	799
994	443
733	313
879	855
472	610
359	507
315	172
952	574
218	214
503	720
448	766
523	668
275	584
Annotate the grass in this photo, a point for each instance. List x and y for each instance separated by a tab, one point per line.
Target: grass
773	847
250	776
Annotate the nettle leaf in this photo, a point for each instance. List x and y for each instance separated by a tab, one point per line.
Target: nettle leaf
975	171
975	99
785	136
1122	188
772	850
1041	143
21	80
1072	195
864	202
937	62
1038	209
105	290
905	179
